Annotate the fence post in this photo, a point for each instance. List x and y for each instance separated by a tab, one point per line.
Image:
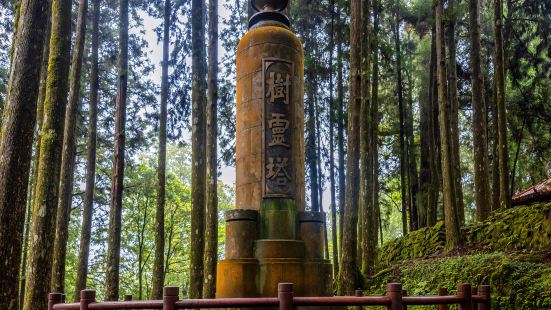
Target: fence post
442	292
87	297
358	293
394	291
53	298
170	297
464	290
285	296
127	297
404	293
484	290
63	298
474	292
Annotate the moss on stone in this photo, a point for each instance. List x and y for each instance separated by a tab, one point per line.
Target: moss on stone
521	228
509	251
516	282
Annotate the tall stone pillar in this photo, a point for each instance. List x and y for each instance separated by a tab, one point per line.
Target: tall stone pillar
270	238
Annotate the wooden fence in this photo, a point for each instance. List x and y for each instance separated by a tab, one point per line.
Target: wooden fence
467	298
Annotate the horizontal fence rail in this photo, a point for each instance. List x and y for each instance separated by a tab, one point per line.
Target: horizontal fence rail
467	298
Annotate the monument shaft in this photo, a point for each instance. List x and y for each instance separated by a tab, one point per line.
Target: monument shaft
270	238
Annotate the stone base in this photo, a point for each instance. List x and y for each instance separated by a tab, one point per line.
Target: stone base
280	270
319	281
237	278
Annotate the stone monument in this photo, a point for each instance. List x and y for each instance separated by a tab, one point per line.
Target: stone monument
270	238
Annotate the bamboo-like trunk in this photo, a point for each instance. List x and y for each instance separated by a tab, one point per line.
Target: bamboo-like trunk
68	155
158	263
198	176
349	268
453	237
47	183
211	230
366	259
115	206
88	206
504	192
340	128
18	121
454	112
480	141
401	125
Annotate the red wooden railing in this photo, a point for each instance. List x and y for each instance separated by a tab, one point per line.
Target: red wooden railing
467	298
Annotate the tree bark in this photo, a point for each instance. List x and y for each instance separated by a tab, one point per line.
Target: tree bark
413	184
88	205
158	264
504	192
374	119
41	248
340	126
115	206
403	154
366	260
68	155
198	175
332	179
18	121
34	169
426	197
454	111
435	159
349	269
211	231
453	237
480	141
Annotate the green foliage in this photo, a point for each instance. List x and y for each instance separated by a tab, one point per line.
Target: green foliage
517	281
521	228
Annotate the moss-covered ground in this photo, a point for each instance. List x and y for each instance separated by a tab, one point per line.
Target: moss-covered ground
511	252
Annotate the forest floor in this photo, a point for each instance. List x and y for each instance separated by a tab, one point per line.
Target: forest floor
511	252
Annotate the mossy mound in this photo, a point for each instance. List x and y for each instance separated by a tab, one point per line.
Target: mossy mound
517	281
521	228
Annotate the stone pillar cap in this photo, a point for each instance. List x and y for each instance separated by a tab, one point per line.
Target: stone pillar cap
241	215
309	216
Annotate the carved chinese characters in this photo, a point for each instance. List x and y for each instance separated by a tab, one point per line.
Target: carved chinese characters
278	175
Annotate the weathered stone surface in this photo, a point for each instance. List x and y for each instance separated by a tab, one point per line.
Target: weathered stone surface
237	278
256	45
241	231
274	271
312	232
278	219
277	248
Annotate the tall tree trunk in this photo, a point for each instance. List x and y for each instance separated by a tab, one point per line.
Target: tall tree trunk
432	200
426	197
349	269
88	205
413	184
19	118
311	145
399	89
198	185
374	119
332	179
68	155
158	264
365	260
115	206
480	141
47	183
34	169
453	237
454	111
211	231
340	126
504	192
